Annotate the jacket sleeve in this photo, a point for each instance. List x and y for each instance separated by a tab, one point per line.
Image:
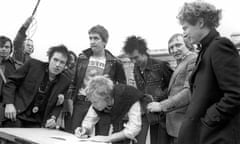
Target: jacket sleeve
18	42
13	83
167	73
225	62
68	99
18	52
182	98
119	73
55	112
65	80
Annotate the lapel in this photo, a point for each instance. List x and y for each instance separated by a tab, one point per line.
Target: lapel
177	70
204	44
41	73
174	75
195	69
109	62
108	66
81	69
55	89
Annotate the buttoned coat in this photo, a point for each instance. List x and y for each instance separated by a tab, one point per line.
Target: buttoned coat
213	116
23	85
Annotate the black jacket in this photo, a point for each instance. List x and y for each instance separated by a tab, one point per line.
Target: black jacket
213	116
23	85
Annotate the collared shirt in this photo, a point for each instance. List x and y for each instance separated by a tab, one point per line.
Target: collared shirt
187	54
131	128
184	56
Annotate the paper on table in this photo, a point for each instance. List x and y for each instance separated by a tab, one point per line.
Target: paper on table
91	140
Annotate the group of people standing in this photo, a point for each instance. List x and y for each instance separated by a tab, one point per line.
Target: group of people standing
196	103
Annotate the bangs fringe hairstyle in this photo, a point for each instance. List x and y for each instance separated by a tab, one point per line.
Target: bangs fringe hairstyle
191	12
3	40
102	31
101	85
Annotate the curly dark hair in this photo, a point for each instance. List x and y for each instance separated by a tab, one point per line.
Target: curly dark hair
191	12
135	43
61	49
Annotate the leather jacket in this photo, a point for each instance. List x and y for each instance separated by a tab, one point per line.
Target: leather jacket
113	69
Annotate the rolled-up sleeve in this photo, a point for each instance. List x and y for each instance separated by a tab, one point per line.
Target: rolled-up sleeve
90	120
133	126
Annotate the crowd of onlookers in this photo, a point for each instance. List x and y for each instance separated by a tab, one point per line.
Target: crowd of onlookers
197	102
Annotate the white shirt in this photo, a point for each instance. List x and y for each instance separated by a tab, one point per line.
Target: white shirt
131	128
95	67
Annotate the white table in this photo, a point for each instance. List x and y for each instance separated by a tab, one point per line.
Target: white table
42	136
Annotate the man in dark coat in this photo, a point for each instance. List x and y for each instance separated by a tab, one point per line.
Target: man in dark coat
8	64
31	94
213	116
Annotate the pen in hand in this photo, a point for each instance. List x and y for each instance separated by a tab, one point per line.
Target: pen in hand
81	132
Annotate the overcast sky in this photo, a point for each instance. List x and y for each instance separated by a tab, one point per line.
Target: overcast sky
68	21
